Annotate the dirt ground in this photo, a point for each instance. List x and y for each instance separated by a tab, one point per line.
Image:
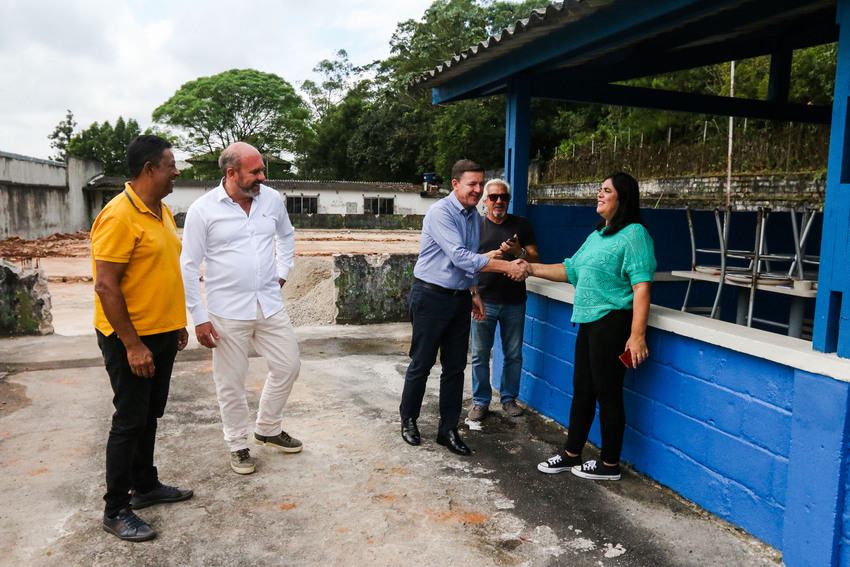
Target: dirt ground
309	294
307	243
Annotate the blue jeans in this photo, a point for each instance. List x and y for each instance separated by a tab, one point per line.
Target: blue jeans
511	320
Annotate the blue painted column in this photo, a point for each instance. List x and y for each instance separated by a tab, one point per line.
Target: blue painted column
815	495
517	137
832	314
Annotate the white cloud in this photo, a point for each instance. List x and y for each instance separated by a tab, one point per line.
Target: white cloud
109	58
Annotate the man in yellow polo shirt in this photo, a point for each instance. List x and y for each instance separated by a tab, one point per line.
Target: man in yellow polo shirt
140	317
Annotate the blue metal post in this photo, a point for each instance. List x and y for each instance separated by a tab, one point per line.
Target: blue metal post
518	127
832	314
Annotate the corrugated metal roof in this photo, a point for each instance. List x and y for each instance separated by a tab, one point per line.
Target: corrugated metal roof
539	23
654	36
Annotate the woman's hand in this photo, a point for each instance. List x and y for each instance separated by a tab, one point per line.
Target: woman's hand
637	346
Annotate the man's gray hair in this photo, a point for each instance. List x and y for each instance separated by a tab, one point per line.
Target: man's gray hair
229	158
501	182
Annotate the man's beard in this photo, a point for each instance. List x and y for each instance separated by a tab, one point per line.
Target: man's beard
250	190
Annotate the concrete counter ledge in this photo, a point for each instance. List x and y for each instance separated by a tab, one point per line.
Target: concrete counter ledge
788	351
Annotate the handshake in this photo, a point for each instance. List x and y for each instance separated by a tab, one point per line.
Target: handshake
519	270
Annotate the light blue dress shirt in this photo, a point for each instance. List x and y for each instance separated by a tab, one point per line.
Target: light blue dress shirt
448	249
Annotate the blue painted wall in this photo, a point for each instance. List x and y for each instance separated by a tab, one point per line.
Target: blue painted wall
760	444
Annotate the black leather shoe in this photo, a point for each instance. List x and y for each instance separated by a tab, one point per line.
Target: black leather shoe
160	495
128	526
409	431
453	442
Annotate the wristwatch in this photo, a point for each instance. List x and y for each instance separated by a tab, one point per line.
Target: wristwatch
523	254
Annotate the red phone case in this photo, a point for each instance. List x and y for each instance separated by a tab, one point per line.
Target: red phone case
626	358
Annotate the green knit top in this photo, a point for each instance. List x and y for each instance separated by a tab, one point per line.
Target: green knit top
605	268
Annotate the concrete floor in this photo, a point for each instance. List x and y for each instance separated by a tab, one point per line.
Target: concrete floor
357	494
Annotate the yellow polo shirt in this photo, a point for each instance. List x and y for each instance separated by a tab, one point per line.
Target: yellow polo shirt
127	232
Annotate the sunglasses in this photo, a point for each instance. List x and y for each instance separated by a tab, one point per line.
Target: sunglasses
496	196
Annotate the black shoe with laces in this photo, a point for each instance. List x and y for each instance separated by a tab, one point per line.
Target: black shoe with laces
559	463
160	495
597	470
128	526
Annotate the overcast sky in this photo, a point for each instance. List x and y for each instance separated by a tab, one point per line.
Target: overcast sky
108	58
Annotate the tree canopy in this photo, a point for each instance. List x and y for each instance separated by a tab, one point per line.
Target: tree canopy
380	130
362	123
61	135
106	144
210	113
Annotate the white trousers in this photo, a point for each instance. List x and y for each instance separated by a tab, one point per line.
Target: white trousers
274	339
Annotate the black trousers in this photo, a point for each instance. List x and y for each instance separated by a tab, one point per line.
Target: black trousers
138	402
440	322
598	378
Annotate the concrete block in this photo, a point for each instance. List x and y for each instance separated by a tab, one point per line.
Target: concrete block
729	456
556	341
717	406
373	288
532	360
758	516
639	412
24	301
558	314
664	384
696	359
535	307
690	479
558	373
762	379
767	426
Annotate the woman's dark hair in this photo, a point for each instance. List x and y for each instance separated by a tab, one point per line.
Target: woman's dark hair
628	199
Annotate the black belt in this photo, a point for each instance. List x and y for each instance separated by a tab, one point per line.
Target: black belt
440	289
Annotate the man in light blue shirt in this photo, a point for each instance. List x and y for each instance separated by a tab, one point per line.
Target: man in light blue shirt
444	291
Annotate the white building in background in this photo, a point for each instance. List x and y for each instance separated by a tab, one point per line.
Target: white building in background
304	197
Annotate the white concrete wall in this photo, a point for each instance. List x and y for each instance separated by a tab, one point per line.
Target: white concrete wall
330	201
350	202
180	199
39	197
22	170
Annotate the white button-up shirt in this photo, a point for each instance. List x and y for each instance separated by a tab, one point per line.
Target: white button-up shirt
238	253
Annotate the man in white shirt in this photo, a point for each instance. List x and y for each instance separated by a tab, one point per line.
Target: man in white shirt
234	231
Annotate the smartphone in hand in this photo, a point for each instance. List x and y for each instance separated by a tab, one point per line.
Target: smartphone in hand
626	358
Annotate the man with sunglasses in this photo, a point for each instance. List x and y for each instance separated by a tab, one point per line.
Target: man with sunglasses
507	237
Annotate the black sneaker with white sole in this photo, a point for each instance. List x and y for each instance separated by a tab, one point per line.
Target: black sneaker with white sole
559	463
282	442
597	470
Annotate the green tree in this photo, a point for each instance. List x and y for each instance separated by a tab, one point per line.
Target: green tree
388	132
61	135
446	28
325	153
106	144
244	105
331	91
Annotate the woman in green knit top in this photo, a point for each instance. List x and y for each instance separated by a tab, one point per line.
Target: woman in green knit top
612	273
